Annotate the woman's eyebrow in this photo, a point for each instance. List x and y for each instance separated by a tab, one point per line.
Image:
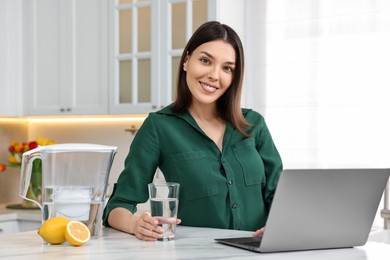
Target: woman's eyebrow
212	57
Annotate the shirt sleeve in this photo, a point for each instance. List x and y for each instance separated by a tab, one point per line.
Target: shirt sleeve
140	167
272	161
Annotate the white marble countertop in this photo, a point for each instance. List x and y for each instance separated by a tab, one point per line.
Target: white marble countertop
19	214
190	243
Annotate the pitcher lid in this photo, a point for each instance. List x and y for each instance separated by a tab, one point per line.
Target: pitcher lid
67	147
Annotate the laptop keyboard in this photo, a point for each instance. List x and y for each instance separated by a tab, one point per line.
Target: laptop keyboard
255	242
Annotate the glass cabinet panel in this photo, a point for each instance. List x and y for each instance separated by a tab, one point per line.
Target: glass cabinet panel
199	13
125	79
125	1
144	83
178	25
144	29
125	35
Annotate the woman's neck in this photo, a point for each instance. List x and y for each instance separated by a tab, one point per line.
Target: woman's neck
204	112
210	122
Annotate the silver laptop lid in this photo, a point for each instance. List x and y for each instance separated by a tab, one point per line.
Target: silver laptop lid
323	208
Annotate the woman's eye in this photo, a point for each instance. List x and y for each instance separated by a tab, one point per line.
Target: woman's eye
204	60
228	69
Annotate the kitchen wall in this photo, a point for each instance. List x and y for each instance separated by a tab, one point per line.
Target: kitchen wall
10	129
106	131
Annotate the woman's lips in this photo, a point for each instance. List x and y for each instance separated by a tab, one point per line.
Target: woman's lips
208	88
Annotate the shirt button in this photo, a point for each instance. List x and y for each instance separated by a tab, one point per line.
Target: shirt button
230	182
234	206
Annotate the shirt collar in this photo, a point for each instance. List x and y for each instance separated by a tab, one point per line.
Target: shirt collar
183	115
167	110
189	119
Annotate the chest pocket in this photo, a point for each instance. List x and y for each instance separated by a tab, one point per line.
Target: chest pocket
250	161
196	175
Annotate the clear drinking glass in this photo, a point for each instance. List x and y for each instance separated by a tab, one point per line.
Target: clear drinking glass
164	204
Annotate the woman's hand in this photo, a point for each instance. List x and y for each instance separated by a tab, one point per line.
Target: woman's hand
144	227
147	227
259	232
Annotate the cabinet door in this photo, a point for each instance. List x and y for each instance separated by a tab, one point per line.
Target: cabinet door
8	227
66	57
147	39
14	226
133	88
11	77
26	225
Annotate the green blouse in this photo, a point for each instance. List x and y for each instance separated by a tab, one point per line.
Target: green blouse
233	189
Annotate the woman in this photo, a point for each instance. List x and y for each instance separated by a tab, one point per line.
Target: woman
222	156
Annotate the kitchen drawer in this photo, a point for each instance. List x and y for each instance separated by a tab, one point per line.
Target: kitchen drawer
8	227
25	225
15	226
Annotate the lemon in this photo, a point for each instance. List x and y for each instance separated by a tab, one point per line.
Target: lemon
77	233
53	230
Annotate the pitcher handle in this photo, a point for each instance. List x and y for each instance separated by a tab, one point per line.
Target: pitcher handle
25	172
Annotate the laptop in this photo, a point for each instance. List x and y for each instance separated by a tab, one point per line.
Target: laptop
319	209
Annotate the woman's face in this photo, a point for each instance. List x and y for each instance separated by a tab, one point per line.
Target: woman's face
210	70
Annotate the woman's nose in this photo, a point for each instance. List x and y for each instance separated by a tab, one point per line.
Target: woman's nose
211	78
213	75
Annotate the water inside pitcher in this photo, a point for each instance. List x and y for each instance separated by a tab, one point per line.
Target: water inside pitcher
74	181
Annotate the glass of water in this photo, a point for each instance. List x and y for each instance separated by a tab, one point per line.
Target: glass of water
164	203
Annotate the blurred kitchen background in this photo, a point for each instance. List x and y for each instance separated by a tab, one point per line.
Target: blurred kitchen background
91	70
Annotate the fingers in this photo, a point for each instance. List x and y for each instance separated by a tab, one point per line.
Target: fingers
259	232
162	220
147	228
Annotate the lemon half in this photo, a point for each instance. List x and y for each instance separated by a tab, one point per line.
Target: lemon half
77	233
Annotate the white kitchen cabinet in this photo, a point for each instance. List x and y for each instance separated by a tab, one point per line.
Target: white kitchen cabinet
15	226
65	57
11	61
8	227
27	225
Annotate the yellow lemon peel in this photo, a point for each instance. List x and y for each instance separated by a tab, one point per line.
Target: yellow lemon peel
77	233
53	230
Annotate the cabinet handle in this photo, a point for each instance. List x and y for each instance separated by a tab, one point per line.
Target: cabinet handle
62	109
68	109
1	230
154	106
132	129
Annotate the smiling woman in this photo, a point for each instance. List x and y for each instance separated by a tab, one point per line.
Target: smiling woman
210	71
209	75
222	155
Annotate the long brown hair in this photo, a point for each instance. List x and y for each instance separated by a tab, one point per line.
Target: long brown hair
229	104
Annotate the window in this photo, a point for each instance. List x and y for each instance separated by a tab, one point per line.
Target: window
319	72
